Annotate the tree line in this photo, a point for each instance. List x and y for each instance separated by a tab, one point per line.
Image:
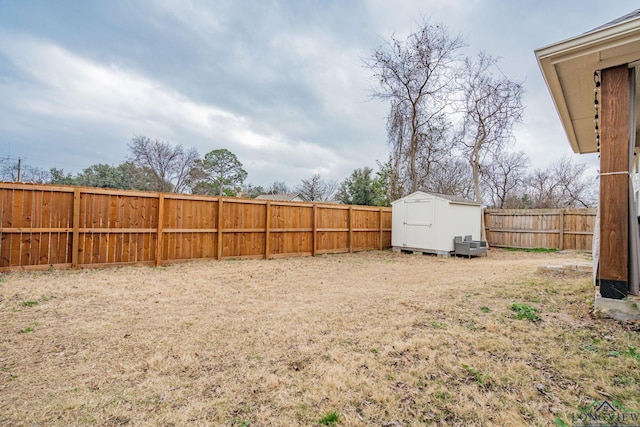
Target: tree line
154	165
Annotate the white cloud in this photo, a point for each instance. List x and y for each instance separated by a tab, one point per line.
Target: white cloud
191	14
66	87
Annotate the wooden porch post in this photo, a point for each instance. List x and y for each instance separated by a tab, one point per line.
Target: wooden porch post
614	183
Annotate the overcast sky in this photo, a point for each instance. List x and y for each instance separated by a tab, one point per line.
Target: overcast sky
279	83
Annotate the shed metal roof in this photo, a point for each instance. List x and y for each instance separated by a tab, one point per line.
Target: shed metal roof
456	199
453	199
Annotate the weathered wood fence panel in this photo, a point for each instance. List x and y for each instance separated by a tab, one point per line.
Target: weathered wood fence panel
291	229
332	230
38	224
45	226
540	228
115	228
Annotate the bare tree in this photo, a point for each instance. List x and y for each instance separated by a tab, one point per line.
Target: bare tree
504	178
451	176
415	75
576	190
12	169
542	190
315	188
278	187
492	104
34	175
433	152
252	191
171	166
562	185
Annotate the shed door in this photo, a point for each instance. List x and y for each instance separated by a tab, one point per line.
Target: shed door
418	224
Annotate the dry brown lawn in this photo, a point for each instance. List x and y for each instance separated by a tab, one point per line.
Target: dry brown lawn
377	338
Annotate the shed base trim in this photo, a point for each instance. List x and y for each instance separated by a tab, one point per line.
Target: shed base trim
419	251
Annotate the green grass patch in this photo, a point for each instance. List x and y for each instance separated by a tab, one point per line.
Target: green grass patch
29	303
330	419
534	250
631	351
26	330
623	380
442	396
473	327
438	325
479	377
524	311
485	309
560	422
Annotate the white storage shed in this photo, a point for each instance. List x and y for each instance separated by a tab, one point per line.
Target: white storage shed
429	222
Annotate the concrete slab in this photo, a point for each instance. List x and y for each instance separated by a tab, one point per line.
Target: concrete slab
619	309
583	268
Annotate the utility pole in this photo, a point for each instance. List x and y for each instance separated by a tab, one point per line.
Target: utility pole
19	163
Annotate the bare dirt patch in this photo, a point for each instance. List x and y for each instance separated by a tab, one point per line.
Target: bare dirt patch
378	338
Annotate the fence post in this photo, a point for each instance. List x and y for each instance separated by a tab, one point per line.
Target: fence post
159	242
219	228
314	235
561	228
381	229
267	231
75	240
350	229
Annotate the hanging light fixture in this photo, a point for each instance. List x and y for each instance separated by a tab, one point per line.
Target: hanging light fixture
596	106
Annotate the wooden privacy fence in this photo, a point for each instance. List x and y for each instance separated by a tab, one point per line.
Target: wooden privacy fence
43	226
540	228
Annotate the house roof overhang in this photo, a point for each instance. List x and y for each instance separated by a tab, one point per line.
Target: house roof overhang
568	69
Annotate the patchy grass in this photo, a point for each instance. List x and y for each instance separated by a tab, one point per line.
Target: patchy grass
524	311
374	338
330	419
534	250
630	351
29	303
